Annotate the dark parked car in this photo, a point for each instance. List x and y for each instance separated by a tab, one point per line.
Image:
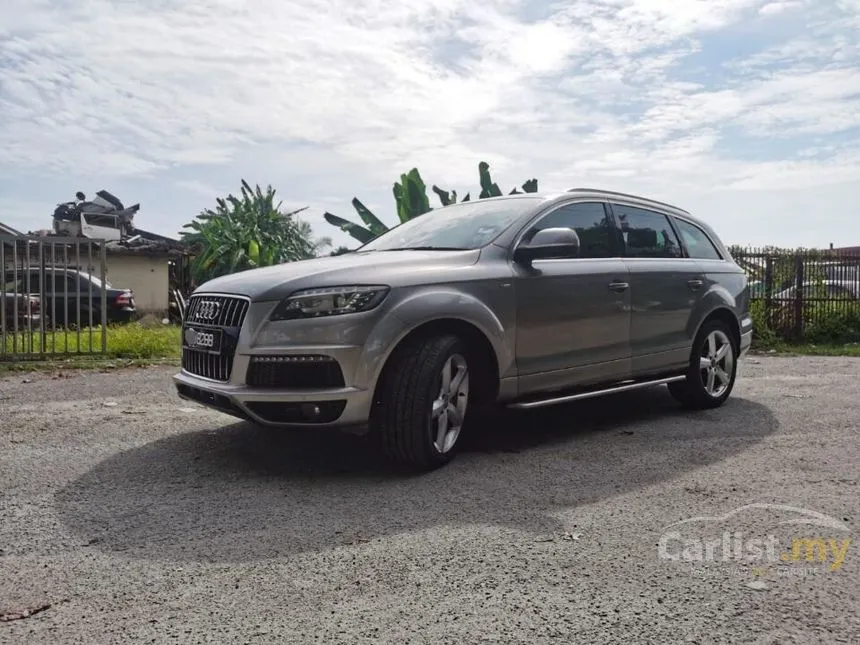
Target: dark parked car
69	293
19	311
524	301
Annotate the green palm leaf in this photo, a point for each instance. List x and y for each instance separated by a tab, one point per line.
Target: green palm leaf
357	231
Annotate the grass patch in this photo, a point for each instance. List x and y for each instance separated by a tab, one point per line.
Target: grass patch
131	341
85	363
809	349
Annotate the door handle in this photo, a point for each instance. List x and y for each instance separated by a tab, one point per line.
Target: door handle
618	286
695	284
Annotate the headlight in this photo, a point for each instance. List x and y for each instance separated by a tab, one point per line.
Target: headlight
315	303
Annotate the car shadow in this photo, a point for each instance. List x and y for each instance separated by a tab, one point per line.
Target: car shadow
241	492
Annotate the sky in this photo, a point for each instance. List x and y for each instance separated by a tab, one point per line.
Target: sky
744	112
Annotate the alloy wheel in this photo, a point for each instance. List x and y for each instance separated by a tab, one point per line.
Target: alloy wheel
716	363
449	407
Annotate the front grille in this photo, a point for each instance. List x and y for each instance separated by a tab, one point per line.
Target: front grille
216	367
221	312
295	372
216	311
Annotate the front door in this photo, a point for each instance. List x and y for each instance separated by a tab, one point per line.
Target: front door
573	313
664	285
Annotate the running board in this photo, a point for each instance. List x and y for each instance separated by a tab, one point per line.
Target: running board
628	385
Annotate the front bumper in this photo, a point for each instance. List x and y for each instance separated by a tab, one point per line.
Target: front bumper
123	315
312	408
289	396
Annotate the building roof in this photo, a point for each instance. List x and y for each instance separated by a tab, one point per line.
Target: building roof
8	230
146	243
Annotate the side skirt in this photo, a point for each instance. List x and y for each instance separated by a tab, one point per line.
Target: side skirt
622	386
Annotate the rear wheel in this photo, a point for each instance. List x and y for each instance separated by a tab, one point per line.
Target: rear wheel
712	371
422	403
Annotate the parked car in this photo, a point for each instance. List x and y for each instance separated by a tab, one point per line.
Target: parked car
757	289
823	289
69	293
833	295
21	312
522	301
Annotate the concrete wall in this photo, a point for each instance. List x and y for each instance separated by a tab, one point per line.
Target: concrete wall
147	276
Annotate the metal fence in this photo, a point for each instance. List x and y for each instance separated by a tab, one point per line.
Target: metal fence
53	297
801	292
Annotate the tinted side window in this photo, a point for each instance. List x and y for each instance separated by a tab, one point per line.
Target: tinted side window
108	221
85	283
699	246
34	281
590	223
58	282
646	234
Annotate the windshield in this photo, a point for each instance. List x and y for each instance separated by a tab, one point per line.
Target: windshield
468	225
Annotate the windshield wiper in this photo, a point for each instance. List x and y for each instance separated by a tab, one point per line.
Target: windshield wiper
427	248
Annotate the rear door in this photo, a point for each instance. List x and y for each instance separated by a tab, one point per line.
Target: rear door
665	287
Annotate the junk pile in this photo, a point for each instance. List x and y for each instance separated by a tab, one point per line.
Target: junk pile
103	218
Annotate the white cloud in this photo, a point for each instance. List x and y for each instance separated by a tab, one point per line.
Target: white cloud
775	8
340	97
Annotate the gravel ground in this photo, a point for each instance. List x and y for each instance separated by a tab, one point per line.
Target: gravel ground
143	519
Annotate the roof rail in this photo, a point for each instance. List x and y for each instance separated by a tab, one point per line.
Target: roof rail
619	194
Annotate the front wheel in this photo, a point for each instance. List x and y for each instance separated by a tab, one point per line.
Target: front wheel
712	371
422	402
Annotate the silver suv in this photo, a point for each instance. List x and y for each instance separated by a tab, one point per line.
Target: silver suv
524	301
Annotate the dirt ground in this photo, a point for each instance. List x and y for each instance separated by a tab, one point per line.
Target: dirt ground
130	516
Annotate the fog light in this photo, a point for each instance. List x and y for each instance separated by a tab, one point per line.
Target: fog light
310	410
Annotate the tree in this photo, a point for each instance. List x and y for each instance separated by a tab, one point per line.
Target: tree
410	197
247	232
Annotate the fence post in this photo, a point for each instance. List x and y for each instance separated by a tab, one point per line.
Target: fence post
103	263
798	298
3	281
768	291
43	337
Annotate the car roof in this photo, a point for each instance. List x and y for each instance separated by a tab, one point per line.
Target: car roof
603	195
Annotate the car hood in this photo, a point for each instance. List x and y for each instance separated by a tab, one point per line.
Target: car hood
393	268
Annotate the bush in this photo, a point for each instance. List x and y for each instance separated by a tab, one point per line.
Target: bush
833	327
763	335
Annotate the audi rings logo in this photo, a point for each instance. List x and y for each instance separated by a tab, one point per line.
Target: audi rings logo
207	310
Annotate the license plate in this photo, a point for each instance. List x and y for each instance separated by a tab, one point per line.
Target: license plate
203	340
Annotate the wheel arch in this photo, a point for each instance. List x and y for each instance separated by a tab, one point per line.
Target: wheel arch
726	315
481	354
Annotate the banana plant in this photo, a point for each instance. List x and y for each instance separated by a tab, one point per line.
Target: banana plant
488	187
410	197
373	226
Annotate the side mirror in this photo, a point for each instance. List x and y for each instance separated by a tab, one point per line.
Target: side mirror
549	243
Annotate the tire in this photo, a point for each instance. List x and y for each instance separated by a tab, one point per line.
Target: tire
708	386
411	408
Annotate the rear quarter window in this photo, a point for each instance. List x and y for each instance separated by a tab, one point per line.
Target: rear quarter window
699	245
